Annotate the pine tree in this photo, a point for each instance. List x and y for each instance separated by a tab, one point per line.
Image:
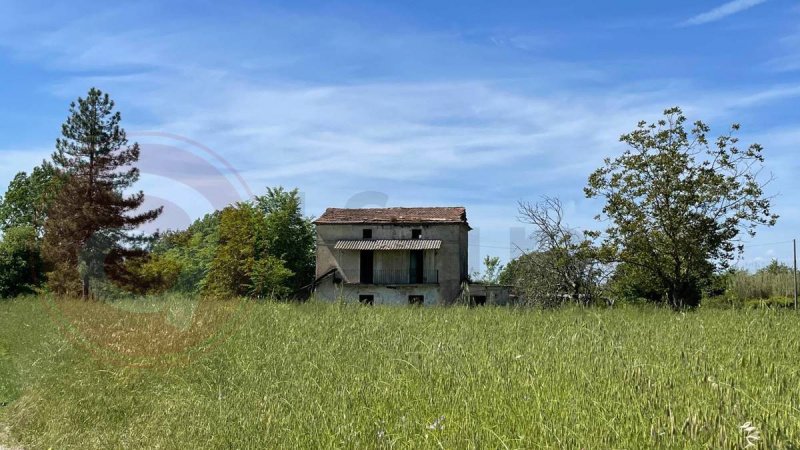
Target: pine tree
92	217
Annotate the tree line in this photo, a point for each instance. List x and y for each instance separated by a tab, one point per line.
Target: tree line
69	227
675	205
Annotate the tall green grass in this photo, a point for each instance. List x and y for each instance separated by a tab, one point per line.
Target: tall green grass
762	285
331	375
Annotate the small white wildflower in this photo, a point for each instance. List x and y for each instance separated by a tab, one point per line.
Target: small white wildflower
753	434
381	434
437	424
518	357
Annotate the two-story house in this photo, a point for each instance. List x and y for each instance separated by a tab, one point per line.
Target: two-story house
392	255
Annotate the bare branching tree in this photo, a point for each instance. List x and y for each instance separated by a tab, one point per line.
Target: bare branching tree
561	267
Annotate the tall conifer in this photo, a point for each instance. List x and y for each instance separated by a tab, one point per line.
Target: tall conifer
92	216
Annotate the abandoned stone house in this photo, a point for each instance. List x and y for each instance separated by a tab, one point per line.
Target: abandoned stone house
393	255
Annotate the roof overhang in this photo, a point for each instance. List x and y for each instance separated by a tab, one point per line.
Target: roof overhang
389	244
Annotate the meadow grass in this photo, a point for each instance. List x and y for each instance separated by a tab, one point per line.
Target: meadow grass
194	374
760	286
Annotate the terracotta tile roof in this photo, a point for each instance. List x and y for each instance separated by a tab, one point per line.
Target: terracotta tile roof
455	214
389	244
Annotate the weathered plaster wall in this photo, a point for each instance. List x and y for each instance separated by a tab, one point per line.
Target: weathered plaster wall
397	295
495	294
450	260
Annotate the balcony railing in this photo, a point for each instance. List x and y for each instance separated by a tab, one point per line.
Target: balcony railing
400	276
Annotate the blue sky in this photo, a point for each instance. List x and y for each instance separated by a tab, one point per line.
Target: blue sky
480	104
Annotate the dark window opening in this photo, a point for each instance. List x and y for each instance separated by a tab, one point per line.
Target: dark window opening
366	233
415	267
416	234
478	300
416	300
367	258
366	299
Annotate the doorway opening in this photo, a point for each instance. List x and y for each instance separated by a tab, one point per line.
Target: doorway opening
366	272
415	270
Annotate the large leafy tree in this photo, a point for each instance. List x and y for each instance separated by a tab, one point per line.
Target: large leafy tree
23	210
92	216
28	198
288	235
242	265
677	204
259	248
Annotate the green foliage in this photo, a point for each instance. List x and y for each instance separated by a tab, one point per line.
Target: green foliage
492	269
193	249
677	203
775	267
335	376
232	265
631	283
773	281
269	278
20	261
263	248
91	215
242	265
288	235
148	274
23	209
562	267
552	278
28	198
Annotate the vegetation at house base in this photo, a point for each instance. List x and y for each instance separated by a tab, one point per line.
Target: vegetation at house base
677	203
328	375
492	271
91	218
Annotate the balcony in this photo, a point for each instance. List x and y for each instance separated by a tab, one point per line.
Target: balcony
399	276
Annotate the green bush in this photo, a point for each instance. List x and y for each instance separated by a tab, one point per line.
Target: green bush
20	262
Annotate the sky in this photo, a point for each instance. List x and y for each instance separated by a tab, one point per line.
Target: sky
413	103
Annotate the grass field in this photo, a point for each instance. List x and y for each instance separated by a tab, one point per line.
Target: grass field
179	373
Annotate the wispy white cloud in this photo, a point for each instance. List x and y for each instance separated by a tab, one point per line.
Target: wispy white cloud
722	11
789	51
482	141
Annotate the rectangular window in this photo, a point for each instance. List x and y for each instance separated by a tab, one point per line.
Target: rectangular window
366	299
416	234
416	299
478	300
366	233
